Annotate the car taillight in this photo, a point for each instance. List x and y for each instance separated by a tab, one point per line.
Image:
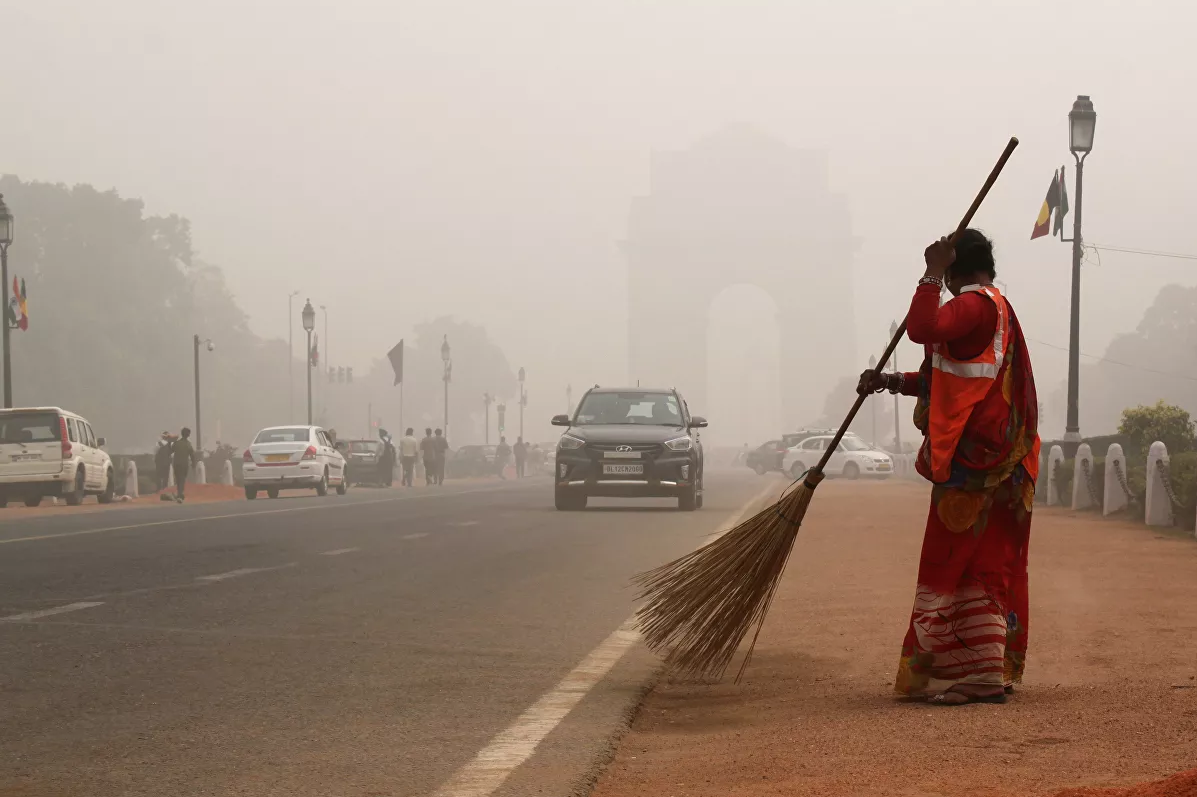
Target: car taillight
247	457
66	441
310	453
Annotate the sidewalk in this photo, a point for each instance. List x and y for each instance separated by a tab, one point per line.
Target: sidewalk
1110	696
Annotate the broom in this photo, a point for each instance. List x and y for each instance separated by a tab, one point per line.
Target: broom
699	608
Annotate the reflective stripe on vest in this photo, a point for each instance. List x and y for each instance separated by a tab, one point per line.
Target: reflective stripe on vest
957	386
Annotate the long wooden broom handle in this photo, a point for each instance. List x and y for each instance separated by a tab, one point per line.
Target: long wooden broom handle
893	344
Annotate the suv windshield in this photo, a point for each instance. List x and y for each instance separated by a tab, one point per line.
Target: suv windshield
29	427
630	407
297	435
364	447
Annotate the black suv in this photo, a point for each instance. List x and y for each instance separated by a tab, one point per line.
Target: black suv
629	442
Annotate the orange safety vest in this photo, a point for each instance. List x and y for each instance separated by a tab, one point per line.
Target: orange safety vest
957	386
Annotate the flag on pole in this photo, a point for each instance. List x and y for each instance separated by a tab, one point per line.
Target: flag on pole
1062	210
314	354
395	355
1051	202
18	307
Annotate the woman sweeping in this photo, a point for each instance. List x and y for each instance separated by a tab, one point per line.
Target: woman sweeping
978	413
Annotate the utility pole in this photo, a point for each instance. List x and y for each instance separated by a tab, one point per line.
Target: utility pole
523	402
487	400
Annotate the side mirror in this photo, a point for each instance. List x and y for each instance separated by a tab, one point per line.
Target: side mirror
698	422
101	442
561	420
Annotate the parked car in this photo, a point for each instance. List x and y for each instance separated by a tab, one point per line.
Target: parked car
629	442
470	461
48	451
766	457
852	459
364	462
292	458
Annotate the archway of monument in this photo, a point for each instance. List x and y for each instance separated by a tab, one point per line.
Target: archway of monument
740	206
743	351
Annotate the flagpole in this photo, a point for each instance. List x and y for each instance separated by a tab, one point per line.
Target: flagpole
7	328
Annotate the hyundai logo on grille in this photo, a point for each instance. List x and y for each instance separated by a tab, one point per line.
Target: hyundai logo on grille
624	448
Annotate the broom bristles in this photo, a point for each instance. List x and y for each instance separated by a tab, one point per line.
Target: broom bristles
699	608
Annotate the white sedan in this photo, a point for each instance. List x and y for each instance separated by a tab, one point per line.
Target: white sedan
852	459
292	458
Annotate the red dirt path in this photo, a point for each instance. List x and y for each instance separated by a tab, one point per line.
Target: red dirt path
1110	697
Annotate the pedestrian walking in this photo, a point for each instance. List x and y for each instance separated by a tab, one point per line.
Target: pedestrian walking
162	462
428	454
977	410
440	449
409	452
520	449
502	455
183	456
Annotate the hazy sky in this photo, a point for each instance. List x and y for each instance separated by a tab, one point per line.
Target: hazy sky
401	160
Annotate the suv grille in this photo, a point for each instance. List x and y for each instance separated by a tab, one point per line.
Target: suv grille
645	448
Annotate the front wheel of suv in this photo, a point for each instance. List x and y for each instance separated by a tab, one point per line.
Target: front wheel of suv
691	499
568	501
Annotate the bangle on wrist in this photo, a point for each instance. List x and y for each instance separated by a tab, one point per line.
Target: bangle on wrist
930	280
897	383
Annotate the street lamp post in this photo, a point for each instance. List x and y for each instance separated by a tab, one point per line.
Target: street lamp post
523	402
873	366
196	343
447	360
1082	120
290	357
893	331
487	400
309	323
5	239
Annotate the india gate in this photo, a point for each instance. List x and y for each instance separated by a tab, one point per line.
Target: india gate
741	207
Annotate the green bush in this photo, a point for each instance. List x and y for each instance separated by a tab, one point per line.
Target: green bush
1169	424
1064	481
1183	468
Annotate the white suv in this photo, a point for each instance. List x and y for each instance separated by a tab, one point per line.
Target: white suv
292	458
49	451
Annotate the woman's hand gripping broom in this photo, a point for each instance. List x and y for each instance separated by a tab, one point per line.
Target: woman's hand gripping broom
699	608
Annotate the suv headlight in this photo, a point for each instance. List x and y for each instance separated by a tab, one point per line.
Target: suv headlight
680	444
571	443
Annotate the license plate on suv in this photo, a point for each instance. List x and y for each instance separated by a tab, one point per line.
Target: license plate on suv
623	470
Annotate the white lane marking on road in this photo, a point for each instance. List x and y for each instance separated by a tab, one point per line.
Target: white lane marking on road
329	505
513	746
243	571
35	615
414	536
464	523
339	551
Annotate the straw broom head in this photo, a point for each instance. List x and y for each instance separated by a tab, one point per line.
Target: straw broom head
699	608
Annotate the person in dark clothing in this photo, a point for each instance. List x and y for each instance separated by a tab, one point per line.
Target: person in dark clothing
386	462
440	448
502	454
428	453
183	455
521	457
162	462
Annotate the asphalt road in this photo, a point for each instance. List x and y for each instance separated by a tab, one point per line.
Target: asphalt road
370	644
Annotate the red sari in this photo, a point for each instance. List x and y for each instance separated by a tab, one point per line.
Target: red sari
969	624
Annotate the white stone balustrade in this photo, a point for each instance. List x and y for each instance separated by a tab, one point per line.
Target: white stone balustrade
1158	511
1082	498
1114	498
